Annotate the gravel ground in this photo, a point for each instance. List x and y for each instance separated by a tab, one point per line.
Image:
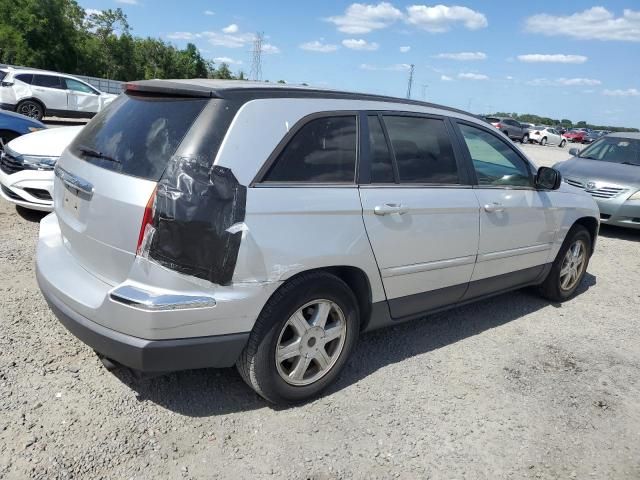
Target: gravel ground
510	387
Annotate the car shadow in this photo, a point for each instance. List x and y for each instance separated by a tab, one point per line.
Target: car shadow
31	215
620	233
209	392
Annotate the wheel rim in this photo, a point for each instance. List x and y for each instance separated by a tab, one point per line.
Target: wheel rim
311	342
573	265
30	110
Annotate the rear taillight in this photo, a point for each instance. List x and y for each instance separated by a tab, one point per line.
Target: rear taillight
498	125
146	229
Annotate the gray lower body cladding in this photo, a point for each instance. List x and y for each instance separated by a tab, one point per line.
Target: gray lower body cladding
218	351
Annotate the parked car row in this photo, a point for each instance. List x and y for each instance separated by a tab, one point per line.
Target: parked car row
38	93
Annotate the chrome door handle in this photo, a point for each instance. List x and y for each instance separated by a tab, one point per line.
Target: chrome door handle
493	207
390	208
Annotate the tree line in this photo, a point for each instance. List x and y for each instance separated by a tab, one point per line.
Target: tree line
60	35
566	123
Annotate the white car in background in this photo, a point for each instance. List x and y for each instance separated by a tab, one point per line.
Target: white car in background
27	163
546	135
39	93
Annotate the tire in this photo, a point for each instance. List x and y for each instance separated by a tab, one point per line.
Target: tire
6	136
552	288
562	143
31	108
543	142
279	381
525	139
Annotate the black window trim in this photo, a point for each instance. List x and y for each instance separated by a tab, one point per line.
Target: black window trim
469	161
259	180
465	180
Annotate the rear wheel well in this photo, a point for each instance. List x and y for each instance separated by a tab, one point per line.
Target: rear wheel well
591	224
357	281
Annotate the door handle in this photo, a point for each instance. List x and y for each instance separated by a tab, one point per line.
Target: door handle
493	207
390	208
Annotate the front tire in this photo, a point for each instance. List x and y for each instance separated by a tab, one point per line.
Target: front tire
30	108
543	142
569	266
302	339
525	139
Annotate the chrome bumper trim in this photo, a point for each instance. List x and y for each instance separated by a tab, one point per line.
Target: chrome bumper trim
143	300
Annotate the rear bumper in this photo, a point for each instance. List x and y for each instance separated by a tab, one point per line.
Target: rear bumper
216	351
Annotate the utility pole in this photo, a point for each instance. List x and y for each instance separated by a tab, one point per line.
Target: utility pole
256	57
410	84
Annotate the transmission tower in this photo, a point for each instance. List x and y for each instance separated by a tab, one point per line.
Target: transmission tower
410	84
256	57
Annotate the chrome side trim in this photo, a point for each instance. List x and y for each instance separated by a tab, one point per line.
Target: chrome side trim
425	267
485	257
143	300
74	182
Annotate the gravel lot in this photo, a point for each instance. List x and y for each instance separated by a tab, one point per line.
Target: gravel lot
511	387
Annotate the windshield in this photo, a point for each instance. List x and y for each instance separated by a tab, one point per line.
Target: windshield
614	150
137	135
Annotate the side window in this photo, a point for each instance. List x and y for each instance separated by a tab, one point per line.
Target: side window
381	164
48	81
323	150
78	86
495	163
25	77
423	150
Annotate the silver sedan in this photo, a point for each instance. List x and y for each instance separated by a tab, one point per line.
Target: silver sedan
609	170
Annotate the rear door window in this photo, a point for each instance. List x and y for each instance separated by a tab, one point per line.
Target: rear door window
322	151
48	81
137	135
422	149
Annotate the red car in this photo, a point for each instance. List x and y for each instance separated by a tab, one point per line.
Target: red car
575	136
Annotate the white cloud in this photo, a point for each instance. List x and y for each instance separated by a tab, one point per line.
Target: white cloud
360	44
446	78
440	18
209	12
564	82
128	2
509	77
472	76
554	58
233	28
227	60
269	49
317	46
631	92
92	11
361	18
596	23
405	49
182	36
463	56
396	67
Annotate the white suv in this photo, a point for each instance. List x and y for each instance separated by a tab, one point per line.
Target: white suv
203	223
39	93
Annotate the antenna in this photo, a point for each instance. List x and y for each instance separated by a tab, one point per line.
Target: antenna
410	84
256	57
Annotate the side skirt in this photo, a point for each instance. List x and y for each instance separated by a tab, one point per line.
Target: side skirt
475	291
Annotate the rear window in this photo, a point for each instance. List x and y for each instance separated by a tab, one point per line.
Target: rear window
137	135
2	75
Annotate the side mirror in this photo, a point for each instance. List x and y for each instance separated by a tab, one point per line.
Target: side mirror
548	179
574	151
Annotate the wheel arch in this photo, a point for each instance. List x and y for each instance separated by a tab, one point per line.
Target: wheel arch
592	225
35	100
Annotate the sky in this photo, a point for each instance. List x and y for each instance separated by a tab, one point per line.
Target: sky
562	59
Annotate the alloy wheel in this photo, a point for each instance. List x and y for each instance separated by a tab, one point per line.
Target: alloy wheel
30	110
573	265
310	342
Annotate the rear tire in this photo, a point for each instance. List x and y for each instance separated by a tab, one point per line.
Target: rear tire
543	142
31	108
290	357
569	266
525	139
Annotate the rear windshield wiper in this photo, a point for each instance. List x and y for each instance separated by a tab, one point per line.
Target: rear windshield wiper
90	152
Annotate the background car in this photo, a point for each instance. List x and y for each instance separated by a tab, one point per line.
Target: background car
575	135
547	135
609	170
13	125
511	128
36	93
26	167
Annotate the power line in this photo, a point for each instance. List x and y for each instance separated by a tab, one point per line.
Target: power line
256	57
410	84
